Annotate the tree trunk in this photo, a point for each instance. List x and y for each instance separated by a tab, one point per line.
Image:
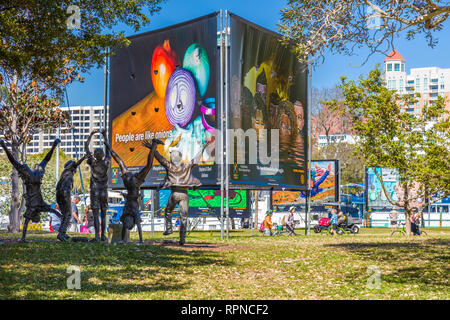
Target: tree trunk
407	224
408	211
14	214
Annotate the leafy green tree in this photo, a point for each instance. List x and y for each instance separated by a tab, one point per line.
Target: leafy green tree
341	26
44	38
45	46
417	147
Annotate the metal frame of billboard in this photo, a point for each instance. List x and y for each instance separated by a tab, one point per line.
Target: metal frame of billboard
223	181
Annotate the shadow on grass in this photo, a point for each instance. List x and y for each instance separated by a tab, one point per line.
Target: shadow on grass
38	270
422	261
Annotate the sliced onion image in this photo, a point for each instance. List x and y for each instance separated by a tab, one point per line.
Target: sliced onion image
180	97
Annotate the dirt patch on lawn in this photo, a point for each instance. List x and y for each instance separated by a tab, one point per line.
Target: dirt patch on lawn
12	241
199	246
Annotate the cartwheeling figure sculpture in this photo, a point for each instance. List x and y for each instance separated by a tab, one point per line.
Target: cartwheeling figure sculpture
179	179
99	163
132	182
63	195
32	179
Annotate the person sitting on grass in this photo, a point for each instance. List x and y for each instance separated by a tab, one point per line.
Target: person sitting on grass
414	219
268	224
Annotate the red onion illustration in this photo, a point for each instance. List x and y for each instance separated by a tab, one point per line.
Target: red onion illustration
180	97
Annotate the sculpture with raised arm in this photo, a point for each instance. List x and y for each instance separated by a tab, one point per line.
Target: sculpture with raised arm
63	195
179	179
132	182
99	163
32	179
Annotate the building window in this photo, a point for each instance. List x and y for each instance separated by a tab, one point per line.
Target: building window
417	84
389	67
403	67
397	67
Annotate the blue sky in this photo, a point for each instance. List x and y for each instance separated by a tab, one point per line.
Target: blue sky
266	13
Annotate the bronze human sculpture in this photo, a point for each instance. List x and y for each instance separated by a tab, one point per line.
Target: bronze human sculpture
32	179
179	179
99	163
132	182
63	195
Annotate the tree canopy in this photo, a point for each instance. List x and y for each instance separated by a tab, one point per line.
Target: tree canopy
416	146
341	26
40	39
46	45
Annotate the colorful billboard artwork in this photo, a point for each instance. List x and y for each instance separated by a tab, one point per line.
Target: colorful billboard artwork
391	180
206	202
164	86
324	183
268	91
375	194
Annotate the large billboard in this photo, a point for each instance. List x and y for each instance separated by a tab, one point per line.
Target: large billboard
324	186
268	103
164	86
375	195
205	203
376	198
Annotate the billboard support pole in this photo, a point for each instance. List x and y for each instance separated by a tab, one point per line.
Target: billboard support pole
227	174
221	127
338	182
250	221
308	133
153	210
366	198
308	194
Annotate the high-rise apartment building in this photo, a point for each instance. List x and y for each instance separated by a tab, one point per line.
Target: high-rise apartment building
428	82
84	119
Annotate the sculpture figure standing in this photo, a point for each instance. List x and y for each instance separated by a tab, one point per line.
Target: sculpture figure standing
32	179
99	163
63	195
132	182
179	179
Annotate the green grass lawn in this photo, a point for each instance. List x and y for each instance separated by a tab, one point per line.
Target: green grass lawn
244	267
